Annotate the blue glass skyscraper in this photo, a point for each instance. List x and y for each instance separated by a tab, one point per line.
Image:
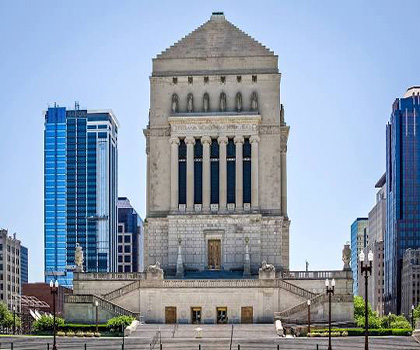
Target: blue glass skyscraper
403	191
80	165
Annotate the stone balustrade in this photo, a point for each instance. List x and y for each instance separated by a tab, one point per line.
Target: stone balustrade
336	274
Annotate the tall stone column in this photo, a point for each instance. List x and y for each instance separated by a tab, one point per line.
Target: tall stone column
222	172
174	172
239	183
254	140
283	183
190	141
206	142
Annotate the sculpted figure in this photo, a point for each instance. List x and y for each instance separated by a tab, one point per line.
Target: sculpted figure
78	258
267	267
174	106
190	103
154	268
238	101
346	256
222	102
254	101
206	102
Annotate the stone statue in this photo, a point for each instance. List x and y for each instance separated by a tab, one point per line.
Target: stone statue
190	103
154	268
265	267
254	101
346	256
154	272
206	102
174	106
78	258
222	102
282	115
238	102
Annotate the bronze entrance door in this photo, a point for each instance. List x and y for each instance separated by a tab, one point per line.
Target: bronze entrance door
247	314
214	254
170	314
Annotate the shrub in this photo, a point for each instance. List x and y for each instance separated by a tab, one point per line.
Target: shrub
97	334
46	324
401	332
70	334
61	334
117	324
344	333
80	334
89	334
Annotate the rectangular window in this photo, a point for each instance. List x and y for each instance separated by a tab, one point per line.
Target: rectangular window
198	172
214	172
247	171
182	172
231	170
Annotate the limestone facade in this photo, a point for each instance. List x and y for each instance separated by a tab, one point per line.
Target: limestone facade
216	84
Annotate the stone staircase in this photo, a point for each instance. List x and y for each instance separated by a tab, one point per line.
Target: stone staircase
304	293
315	300
122	291
102	303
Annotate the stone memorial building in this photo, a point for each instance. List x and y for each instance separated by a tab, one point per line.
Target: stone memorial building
216	232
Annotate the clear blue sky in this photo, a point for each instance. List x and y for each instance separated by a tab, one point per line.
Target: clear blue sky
342	63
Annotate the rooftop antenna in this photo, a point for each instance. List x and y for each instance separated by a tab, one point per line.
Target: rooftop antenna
76	105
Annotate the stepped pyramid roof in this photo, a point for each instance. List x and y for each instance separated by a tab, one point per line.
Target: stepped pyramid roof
216	38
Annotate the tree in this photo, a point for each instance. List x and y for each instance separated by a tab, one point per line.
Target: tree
46	323
6	317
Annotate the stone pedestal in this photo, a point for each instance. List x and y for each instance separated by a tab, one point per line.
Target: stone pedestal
267	271
154	272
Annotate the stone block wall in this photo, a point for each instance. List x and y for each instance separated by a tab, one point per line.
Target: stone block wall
268	240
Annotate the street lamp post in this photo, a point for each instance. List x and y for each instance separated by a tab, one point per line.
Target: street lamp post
97	316
54	292
14	319
367	270
412	317
330	286
309	316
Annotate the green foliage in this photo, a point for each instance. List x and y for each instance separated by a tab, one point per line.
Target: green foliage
46	324
83	327
117	324
6	317
360	332
416	314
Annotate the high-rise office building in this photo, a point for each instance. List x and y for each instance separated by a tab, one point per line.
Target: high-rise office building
10	270
410	280
130	238
376	230
23	265
80	191
403	191
359	240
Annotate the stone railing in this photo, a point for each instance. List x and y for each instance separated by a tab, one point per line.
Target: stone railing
295	289
211	283
102	303
338	274
122	291
299	307
84	276
316	300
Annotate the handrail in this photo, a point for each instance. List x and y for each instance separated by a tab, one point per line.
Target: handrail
122	291
299	307
103	303
296	289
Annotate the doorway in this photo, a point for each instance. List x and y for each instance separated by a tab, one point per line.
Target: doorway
196	315
214	254
247	314
221	315
170	314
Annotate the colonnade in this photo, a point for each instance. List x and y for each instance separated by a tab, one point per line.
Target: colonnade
206	180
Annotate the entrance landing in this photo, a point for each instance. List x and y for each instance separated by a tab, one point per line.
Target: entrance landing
213	274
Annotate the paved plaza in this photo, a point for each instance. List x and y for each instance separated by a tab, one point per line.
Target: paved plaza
250	337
